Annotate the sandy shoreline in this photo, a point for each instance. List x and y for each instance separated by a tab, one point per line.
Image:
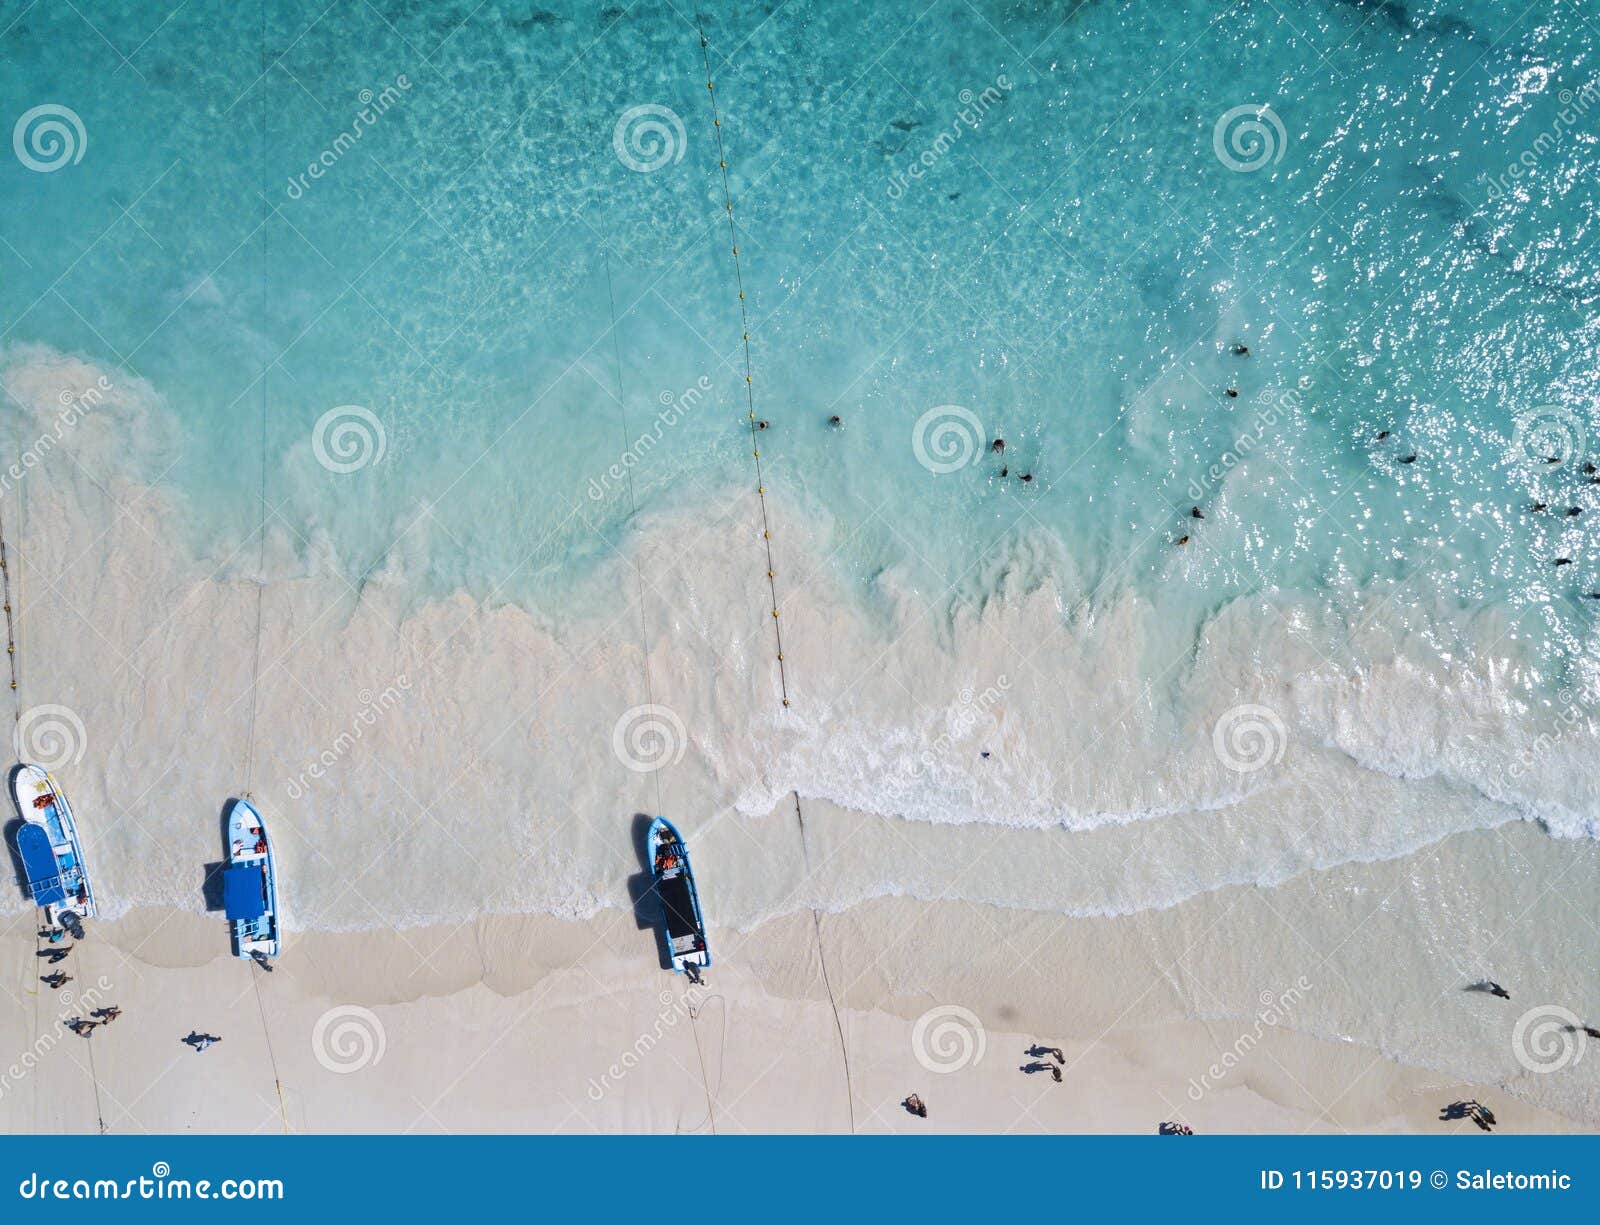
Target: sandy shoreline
539	1024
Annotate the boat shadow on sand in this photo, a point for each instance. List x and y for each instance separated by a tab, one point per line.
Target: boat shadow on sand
19	874
642	893
211	883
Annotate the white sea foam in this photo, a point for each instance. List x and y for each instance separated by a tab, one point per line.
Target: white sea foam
490	783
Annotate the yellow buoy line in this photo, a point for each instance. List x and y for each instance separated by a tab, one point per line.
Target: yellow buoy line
749	386
766	536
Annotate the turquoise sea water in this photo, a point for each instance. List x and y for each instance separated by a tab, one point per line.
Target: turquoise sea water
1071	268
1052	224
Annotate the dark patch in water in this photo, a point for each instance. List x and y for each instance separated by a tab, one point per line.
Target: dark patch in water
1398	17
904	125
612	16
1433	199
537	18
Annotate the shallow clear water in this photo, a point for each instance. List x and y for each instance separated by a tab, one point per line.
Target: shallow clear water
1012	220
1071	268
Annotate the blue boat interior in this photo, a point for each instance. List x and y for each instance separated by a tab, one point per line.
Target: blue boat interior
244	892
40	863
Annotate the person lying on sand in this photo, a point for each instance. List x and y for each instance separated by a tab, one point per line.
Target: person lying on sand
914	1105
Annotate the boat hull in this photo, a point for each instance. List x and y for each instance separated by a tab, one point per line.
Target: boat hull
680	900
250	884
51	853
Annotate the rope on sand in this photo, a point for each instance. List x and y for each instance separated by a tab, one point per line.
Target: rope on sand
705	1081
749	387
822	958
272	1058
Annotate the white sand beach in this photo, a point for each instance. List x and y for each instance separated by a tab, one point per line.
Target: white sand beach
541	1024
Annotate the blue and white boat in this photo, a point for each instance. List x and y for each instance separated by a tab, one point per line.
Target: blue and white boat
250	884
680	901
47	842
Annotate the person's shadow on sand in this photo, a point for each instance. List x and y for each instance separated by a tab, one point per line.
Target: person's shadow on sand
1476	1111
642	892
1042	1065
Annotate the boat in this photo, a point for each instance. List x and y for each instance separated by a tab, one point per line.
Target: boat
680	902
47	843
250	885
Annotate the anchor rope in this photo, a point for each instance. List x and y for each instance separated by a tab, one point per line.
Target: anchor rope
722	1048
261	573
272	1058
749	383
261	516
633	506
766	533
827	982
11	627
94	1079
